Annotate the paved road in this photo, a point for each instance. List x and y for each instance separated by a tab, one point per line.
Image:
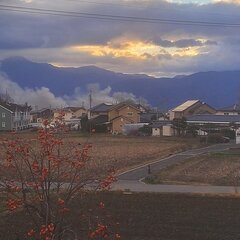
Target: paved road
131	180
137	186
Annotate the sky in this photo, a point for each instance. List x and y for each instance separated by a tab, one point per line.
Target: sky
153	48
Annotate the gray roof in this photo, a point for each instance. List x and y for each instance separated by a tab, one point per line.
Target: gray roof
232	108
40	110
147	117
101	119
214	119
15	107
157	124
74	109
103	107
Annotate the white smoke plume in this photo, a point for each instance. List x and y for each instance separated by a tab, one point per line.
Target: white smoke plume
43	97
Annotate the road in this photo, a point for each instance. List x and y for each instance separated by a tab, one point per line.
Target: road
132	180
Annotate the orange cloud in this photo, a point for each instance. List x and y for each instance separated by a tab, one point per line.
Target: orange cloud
138	50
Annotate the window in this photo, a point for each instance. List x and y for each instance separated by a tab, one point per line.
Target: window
3	115
3	124
130	113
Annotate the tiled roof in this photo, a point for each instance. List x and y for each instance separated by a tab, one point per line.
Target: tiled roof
103	107
126	103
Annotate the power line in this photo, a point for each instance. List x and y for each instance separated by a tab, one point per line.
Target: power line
110	17
109	4
146	5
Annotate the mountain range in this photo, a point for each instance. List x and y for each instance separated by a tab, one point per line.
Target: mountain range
218	89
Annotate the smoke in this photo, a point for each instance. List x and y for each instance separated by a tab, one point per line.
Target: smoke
43	97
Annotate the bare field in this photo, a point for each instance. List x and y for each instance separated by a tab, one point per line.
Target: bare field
123	152
221	169
147	216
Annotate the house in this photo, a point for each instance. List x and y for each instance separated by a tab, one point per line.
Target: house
70	113
65	114
189	108
230	110
77	112
37	116
71	116
14	116
121	114
100	109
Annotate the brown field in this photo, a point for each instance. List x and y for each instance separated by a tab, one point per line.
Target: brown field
221	169
123	152
154	217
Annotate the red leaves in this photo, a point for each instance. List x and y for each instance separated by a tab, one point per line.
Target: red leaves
46	231
101	205
101	231
60	202
35	166
45	123
54	160
13	204
31	233
106	183
44	173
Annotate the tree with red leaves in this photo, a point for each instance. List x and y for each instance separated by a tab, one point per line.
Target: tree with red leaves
43	176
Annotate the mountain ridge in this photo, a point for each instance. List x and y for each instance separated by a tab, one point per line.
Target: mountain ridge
218	89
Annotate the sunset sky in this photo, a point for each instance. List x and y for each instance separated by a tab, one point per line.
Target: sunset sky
156	49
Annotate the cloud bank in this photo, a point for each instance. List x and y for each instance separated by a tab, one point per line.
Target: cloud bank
131	47
43	97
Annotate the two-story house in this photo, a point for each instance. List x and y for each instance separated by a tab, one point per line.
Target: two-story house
101	109
189	108
14	116
121	114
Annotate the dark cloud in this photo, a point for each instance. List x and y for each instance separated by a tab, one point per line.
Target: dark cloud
43	37
184	43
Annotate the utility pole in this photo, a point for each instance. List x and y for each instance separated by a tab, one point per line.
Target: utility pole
90	106
90	103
